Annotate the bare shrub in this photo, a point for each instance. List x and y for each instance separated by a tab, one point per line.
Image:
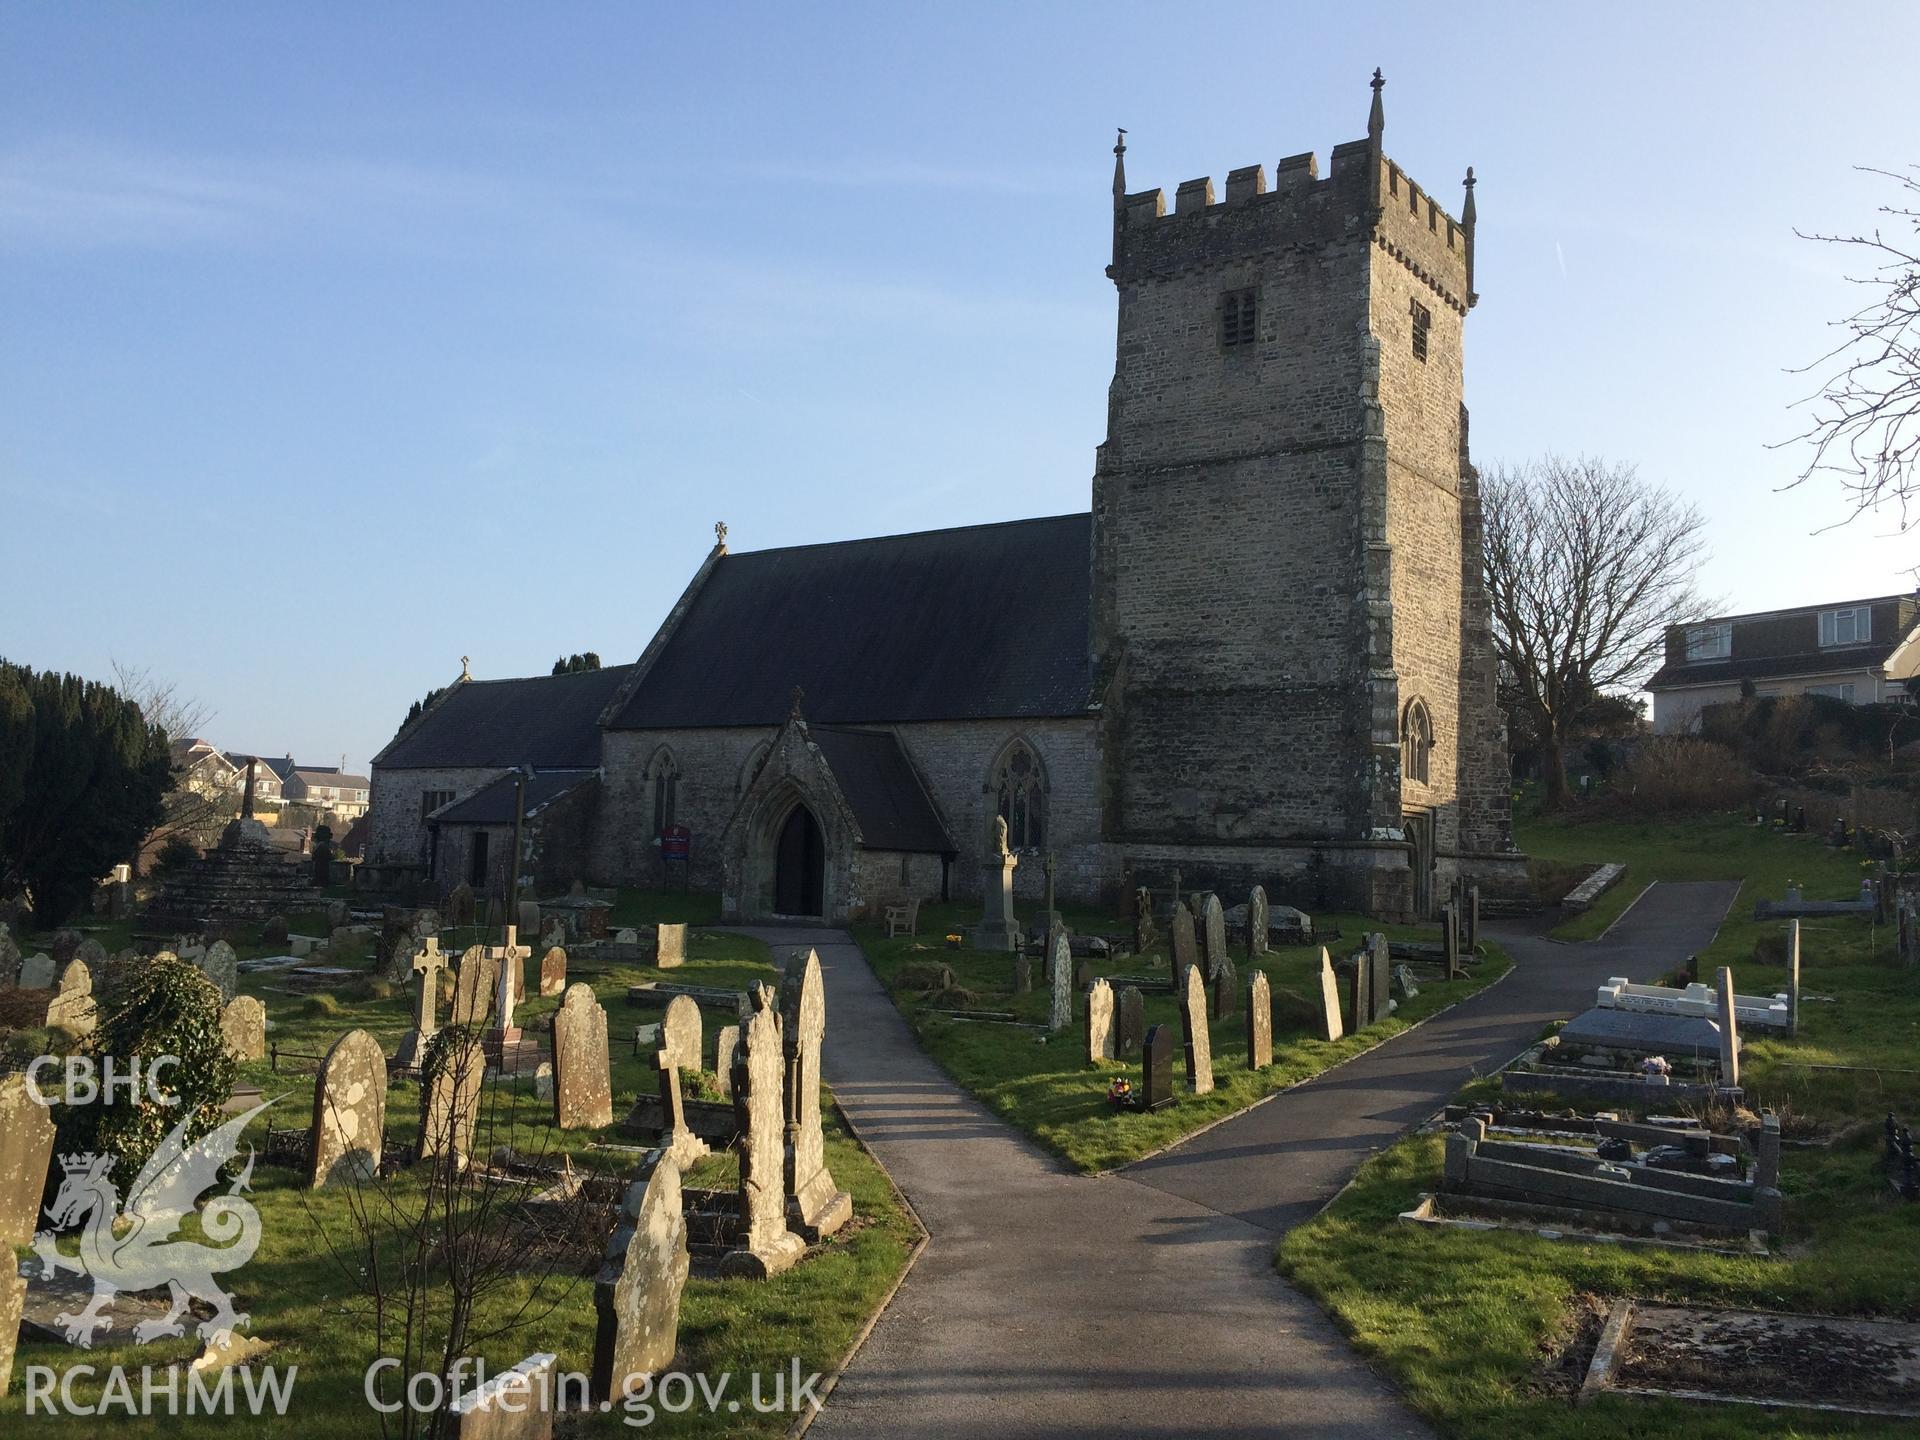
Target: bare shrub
1677	774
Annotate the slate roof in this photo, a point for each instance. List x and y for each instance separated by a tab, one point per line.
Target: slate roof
1761	667
332	779
883	789
983	622
281	767
492	803
547	721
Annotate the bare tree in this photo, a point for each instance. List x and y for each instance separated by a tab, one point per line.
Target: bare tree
192	813
1586	566
1864	420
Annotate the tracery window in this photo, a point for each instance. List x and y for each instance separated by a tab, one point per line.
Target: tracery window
1019	788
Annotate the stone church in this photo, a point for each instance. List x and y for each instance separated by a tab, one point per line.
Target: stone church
1263	655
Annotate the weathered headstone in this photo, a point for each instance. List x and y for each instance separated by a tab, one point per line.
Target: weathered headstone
553	931
1198	1041
680	1047
1186	949
349	1112
72	1007
1380	977
450	1100
1256	922
1472	918
1360	1010
426	965
1213	937
92	954
1259	1021
473	986
37	972
1156	1065
1793	977
516	1404
220	966
553	971
1060	971
26	1150
764	1245
1450	940
1099	1022
817	1206
627	936
670	946
460	906
637	1292
1729	1026
243	1026
1022	973
9	958
1224	990
1144	930
582	1086
526	918
1331	1027
725	1043
1129	1028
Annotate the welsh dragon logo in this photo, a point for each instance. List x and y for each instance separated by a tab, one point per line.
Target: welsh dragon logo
134	1248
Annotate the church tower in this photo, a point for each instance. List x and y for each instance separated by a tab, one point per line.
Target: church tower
1289	621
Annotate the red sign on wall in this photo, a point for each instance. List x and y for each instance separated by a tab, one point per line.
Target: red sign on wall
676	843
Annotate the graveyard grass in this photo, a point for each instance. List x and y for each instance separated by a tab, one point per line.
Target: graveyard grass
1049	1091
301	1301
1466	1322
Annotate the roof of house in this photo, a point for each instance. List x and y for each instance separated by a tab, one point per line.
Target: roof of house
332	778
547	721
983	622
883	790
1832	660
1787	610
492	803
281	766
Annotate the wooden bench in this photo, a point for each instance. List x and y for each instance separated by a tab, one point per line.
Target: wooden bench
903	915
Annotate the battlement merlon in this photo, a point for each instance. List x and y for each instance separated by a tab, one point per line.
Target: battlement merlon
1302	210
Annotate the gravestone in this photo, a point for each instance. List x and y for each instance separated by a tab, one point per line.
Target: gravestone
473	986
637	1292
450	1101
92	954
1213	937
1256	923
1642	1032
516	1404
553	971
1729	1031
1156	1078
220	966
1380	976
349	1112
1186	950
1360	996
1471	940
13	1301
427	966
1450	939
582	1087
9	957
724	1045
997	929
1099	1022
1259	1022
243	1026
1060	972
1793	977
682	1038
526	918
1129	1028
1022	973
37	972
627	936
460	906
1223	991
1144	930
553	932
1198	1042
816	1205
26	1150
670	946
72	1007
764	1245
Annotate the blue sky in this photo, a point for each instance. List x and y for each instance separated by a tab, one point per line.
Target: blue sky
338	342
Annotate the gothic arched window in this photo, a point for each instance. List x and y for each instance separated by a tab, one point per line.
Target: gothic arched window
664	772
1416	743
756	757
1019	788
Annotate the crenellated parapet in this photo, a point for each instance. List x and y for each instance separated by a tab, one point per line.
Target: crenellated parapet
1364	195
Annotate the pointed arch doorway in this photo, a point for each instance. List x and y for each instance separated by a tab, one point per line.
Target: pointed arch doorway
800	865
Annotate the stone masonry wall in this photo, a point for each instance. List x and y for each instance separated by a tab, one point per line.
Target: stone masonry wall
397	835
